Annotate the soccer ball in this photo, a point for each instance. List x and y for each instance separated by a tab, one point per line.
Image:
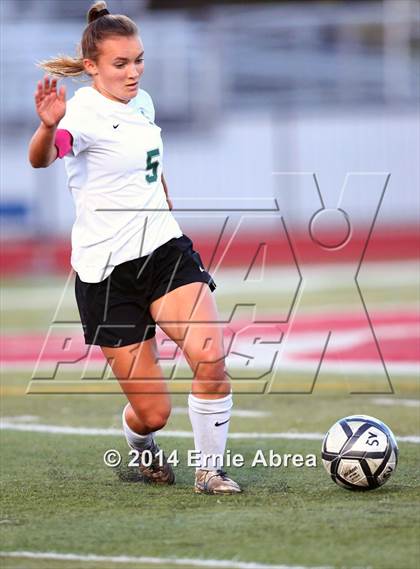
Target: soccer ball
360	452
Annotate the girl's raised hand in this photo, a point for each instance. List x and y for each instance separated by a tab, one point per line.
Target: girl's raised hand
50	105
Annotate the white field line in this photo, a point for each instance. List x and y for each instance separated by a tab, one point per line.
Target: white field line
393	401
91	431
230	281
216	563
21	418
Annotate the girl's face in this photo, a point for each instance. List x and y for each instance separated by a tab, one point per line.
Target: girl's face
120	65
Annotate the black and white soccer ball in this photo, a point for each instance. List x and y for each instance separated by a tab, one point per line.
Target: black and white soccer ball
360	452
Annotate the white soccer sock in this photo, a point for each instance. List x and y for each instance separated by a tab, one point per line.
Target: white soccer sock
134	440
210	422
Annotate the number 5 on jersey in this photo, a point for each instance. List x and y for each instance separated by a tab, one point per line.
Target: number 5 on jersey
152	165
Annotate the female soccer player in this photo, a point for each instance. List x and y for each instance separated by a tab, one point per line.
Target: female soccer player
135	268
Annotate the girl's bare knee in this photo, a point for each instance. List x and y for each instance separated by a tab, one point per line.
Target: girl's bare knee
148	418
211	370
155	421
211	377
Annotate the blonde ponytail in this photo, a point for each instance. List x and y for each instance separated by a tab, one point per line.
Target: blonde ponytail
101	25
63	66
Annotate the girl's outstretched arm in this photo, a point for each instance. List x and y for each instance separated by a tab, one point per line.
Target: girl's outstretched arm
51	108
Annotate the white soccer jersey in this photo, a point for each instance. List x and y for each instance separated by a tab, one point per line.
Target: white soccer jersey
114	174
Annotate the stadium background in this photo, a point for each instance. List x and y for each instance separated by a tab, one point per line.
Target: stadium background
254	99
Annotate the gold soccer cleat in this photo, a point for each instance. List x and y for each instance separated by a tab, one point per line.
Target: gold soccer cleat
157	471
214	482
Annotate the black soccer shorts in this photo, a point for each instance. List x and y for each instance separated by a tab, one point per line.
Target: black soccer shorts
115	312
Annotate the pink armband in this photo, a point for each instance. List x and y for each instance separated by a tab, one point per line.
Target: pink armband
63	142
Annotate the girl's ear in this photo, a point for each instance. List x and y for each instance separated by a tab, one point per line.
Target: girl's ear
90	67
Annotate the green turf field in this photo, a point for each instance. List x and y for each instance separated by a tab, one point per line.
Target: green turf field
58	495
